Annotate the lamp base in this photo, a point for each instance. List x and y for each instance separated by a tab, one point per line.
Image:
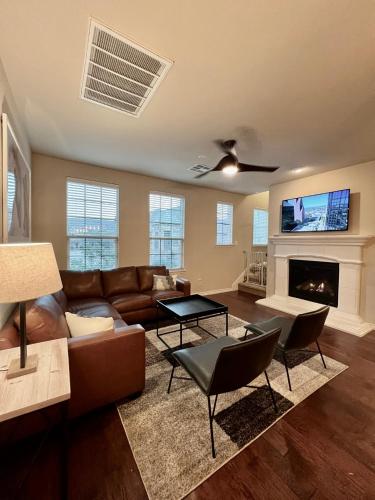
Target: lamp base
14	369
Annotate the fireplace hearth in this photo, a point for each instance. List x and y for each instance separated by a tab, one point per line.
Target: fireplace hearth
315	281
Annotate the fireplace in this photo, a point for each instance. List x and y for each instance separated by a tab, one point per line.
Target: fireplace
344	252
315	281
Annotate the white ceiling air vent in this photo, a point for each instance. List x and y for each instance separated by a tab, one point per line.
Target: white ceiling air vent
199	169
119	74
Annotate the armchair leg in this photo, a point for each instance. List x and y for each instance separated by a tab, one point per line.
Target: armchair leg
287	371
271	392
210	416
213	411
321	355
170	380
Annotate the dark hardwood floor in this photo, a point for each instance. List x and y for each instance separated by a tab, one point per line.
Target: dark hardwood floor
323	449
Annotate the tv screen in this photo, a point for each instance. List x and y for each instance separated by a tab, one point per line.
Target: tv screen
319	212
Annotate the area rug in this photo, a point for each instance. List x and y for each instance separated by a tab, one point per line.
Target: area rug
169	433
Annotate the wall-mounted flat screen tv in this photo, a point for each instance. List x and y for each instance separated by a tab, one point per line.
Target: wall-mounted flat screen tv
318	212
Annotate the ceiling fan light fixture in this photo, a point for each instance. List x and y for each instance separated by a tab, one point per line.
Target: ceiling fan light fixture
230	170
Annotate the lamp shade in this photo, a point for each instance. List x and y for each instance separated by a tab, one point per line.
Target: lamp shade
27	271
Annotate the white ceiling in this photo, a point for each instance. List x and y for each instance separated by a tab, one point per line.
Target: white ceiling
292	80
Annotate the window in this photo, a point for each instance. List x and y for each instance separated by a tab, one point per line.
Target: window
92	225
260	227
167	220
224	224
11	196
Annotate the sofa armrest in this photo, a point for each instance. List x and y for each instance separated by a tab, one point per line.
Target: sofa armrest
183	285
105	367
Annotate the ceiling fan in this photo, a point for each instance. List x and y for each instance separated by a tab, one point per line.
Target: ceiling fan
230	165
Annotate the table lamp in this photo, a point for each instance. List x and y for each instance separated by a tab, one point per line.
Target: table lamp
27	271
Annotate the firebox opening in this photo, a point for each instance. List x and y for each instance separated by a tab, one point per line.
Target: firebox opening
315	281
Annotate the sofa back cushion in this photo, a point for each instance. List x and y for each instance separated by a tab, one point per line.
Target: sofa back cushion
61	299
82	284
146	276
9	336
45	320
119	281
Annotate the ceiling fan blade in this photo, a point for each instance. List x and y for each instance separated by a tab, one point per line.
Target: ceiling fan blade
227	160
243	167
203	174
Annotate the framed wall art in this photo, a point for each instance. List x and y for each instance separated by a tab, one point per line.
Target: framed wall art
16	181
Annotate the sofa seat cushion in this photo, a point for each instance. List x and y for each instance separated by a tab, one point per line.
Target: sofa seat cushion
82	284
92	308
146	276
163	294
130	302
120	281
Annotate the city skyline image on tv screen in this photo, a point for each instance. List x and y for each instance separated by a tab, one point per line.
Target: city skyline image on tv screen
319	212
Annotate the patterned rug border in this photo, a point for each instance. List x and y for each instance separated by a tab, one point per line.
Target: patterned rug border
345	367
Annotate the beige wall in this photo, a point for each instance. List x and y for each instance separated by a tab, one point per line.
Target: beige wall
245	219
361	181
209	267
8	106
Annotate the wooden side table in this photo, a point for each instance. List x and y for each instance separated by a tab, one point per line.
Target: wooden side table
48	386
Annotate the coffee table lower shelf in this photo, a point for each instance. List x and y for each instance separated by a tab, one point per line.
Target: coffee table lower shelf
190	320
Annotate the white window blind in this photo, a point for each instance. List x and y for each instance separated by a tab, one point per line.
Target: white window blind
11	196
167	221
224	224
260	227
92	225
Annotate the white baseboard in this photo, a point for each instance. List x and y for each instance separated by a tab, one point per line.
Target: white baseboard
212	292
238	280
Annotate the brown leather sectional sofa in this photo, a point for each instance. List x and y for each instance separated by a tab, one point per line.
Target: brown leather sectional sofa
127	290
105	366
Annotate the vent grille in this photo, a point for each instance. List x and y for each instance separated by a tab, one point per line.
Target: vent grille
199	169
118	73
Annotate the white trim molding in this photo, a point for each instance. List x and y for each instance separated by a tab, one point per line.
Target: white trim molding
347	251
327	239
213	292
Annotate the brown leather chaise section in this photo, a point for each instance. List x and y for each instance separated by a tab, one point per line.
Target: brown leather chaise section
120	281
82	284
146	276
106	367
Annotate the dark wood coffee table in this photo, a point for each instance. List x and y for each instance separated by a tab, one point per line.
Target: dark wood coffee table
185	310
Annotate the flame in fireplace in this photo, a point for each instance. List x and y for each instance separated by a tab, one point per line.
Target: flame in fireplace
316	286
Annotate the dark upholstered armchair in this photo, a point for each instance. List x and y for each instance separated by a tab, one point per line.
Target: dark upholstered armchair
296	333
226	364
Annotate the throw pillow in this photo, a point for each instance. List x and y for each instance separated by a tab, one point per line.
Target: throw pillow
79	325
163	283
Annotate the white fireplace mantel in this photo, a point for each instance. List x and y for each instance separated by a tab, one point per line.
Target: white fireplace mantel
345	249
328	239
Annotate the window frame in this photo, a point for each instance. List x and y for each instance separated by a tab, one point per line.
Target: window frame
232	225
173	195
68	237
253	226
